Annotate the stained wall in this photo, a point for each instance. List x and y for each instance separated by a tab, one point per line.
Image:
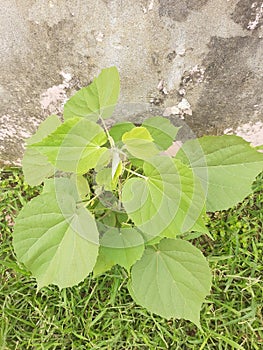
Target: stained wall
196	61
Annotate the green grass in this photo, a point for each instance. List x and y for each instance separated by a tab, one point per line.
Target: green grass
100	314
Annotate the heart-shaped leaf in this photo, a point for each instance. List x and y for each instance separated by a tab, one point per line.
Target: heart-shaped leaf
118	129
139	143
162	131
122	246
226	165
56	238
97	99
75	146
167	202
172	280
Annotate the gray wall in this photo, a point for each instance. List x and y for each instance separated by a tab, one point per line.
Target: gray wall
200	60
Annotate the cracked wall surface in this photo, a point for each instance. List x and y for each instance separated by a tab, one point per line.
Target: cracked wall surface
200	62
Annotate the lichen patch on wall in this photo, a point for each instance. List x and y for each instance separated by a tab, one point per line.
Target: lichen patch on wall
253	24
248	13
183	108
8	131
53	99
251	132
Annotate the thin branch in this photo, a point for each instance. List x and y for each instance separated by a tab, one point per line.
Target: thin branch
137	174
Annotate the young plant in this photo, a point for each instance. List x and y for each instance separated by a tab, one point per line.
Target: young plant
113	196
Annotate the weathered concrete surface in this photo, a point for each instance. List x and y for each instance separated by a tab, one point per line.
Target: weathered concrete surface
197	60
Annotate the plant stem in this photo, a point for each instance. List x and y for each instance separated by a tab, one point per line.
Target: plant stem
137	174
88	201
111	141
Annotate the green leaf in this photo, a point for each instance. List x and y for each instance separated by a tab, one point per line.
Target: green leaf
97	99
109	220
82	186
139	133
172	280
122	246
118	129
200	224
137	163
56	239
122	218
139	143
118	172
167	202
226	166
162	131
103	178
104	160
103	263
75	146
75	185
35	165
116	161
50	124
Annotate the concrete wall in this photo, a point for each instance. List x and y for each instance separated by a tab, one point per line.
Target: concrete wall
200	60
